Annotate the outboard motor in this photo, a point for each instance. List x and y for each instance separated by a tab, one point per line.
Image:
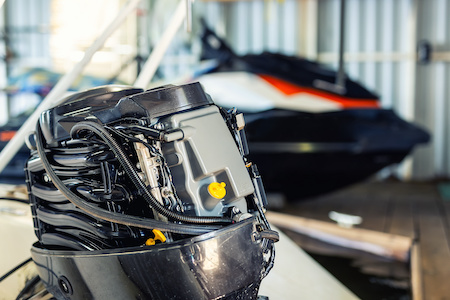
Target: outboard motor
147	195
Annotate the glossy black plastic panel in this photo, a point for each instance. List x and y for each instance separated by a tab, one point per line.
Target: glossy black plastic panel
224	264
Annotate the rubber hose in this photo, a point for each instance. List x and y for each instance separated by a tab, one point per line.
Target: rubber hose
103	214
134	176
270	234
15	269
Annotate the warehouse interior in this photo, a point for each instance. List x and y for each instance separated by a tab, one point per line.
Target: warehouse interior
377	219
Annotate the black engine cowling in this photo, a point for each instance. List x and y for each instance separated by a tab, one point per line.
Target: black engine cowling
144	186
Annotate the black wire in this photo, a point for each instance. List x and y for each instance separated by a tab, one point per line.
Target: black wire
134	139
15	199
131	138
164	169
135	178
15	269
103	214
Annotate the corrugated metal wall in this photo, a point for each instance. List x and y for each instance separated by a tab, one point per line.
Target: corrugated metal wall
255	26
26	38
3	75
380	47
433	88
28	32
380	52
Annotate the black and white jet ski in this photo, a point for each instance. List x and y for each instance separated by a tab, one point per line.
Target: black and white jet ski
307	135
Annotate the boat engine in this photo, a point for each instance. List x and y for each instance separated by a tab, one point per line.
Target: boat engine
147	195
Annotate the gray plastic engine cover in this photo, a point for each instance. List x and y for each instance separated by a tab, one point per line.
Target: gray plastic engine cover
206	154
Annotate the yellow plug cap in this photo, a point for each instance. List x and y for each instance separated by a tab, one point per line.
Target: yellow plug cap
159	236
217	190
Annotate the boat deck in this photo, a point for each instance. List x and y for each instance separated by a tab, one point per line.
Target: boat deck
415	210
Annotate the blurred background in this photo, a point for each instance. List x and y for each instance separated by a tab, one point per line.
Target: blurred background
398	49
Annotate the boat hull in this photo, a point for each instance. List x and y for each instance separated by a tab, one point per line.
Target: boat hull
304	154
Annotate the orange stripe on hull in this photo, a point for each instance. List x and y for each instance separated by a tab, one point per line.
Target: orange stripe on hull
6	136
289	89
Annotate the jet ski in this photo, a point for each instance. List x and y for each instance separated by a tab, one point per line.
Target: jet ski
307	135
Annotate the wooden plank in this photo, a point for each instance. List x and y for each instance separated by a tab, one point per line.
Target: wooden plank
315	246
371	201
401	219
416	273
353	204
325	205
317	208
434	250
444	207
411	209
378	243
344	201
386	269
375	211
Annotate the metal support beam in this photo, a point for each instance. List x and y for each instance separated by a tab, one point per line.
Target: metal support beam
55	95
308	11
153	61
341	77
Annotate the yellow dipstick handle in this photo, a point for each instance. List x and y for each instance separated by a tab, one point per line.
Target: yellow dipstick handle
217	190
159	236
